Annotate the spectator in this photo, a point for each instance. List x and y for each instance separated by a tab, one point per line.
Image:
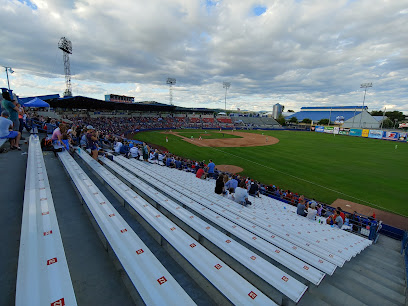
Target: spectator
219	184
232	184
58	132
118	145
319	209
301	209
145	151
200	173
241	195
6	131
10	105
211	167
133	151
254	189
312	212
335	219
92	138
342	215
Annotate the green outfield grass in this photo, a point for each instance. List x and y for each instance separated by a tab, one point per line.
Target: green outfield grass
206	134
366	171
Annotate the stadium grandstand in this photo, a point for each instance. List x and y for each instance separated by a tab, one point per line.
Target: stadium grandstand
348	116
144	227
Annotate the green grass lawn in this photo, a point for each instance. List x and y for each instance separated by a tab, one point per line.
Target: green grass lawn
209	135
366	171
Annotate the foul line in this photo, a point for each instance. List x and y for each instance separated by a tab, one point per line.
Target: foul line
316	184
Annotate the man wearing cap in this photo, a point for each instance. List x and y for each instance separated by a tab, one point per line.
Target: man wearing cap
6	131
92	138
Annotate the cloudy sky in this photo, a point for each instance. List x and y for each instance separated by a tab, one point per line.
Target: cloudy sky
295	52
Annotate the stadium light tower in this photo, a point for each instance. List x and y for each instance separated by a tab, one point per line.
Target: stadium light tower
171	82
226	85
66	46
365	86
8	69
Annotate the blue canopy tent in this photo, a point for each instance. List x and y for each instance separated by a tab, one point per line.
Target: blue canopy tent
36	102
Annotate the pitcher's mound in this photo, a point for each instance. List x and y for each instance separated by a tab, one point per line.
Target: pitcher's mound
229	168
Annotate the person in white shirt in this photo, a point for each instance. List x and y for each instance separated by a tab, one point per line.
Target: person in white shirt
133	151
311	212
117	146
241	194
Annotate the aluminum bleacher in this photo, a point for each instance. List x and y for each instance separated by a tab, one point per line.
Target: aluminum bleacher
317	242
272	275
43	276
215	271
153	283
245	232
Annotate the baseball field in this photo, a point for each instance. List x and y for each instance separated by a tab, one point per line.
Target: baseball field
327	167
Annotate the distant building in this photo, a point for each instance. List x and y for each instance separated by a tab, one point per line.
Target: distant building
347	116
277	110
119	98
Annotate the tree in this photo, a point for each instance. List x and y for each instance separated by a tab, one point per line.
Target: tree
293	120
395	115
387	123
307	120
323	121
281	120
377	113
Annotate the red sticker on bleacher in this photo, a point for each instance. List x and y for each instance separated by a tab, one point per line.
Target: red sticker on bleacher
123	231
277	251
173	228
273	236
228	241
207	228
299	233
135	197
191	217
102	203
45	213
144	205
48	233
178	207
307	244
43	188
269	225
51	261
157	216
321	261
43	199
234	226
253	257
253	238
218	266
192	245
60	302
294	247
330	255
285	278
253	226
95	193
287	235
318	241
111	215
162	280
138	252
217	217
306	267
252	295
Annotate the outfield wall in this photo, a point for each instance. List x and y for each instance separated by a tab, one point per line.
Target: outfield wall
365	133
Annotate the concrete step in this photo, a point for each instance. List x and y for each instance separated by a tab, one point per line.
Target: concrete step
311	299
359	276
362	293
375	263
332	295
392	257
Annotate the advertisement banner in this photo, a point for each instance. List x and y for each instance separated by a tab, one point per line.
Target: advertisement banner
344	131
365	133
355	132
375	134
319	129
391	135
312	128
328	129
336	130
402	136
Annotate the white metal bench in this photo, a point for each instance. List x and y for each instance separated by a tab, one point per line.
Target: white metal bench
43	276
153	282
237	213
252	261
245	232
219	274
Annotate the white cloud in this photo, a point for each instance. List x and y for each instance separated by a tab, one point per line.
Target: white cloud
299	53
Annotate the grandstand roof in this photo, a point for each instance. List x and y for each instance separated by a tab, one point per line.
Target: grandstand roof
318	115
333	107
44	98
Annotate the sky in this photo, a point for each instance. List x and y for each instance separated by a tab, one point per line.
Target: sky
293	52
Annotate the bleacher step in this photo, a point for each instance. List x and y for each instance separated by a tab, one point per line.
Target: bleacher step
375	264
332	295
373	285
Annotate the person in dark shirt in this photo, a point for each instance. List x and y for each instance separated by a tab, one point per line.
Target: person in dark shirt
219	184
92	139
254	189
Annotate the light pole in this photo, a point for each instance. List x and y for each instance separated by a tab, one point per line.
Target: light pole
365	86
171	82
226	85
8	69
395	122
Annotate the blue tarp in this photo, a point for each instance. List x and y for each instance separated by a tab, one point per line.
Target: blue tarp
36	102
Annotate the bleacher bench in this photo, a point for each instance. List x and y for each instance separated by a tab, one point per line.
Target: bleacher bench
43	276
154	284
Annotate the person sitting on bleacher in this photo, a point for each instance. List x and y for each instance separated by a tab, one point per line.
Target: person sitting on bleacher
301	209
311	211
133	151
254	189
58	132
241	195
118	145
335	219
92	139
232	184
6	131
